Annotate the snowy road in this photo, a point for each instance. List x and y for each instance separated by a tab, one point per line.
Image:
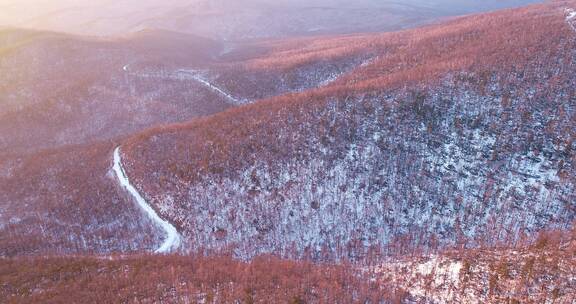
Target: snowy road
187	74
172	240
196	76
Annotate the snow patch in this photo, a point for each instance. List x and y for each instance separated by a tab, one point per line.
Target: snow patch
570	14
571	18
437	278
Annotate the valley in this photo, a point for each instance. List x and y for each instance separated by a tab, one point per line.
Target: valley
435	163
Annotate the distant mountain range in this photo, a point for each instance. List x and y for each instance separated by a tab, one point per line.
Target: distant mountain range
235	19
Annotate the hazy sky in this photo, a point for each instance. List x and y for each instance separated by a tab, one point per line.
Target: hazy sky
229	18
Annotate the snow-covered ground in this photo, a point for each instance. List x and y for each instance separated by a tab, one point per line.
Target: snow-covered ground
571	14
172	240
571	18
437	278
497	276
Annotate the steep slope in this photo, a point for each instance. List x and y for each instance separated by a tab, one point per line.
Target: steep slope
457	135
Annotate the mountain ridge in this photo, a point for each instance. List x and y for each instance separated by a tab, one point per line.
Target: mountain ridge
316	142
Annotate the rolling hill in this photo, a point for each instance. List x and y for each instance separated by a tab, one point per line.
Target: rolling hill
428	165
68	101
456	135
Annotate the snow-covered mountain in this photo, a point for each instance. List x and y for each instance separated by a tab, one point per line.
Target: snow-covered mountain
419	148
68	101
429	165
